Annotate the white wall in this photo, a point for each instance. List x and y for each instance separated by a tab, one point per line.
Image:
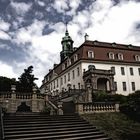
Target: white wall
119	78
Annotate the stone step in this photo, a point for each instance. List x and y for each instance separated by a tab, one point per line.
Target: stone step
44	127
41	119
50	130
62	136
40	122
44	124
49	134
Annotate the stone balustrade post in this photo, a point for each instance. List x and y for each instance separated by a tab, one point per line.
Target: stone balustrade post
13	107
34	101
79	109
60	110
117	107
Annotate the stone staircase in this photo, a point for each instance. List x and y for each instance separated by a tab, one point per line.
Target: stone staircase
43	127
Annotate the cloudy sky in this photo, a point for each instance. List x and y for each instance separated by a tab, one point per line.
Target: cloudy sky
31	30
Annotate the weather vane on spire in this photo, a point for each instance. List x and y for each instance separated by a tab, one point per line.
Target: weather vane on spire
86	36
66	26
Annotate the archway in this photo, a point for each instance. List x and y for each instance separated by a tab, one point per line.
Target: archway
23	107
103	84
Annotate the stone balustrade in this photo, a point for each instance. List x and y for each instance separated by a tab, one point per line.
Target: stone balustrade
5	95
11	101
89	108
8	95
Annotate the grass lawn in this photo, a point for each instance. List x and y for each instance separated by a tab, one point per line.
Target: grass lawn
117	125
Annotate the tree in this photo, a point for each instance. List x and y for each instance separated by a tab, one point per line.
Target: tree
5	83
26	80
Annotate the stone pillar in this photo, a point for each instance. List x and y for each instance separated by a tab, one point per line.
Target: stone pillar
117	107
60	110
88	97
79	108
34	101
13	106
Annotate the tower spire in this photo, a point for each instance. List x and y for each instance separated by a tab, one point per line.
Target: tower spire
67	45
66	33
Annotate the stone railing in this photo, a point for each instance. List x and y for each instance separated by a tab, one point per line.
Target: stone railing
11	100
8	95
98	107
5	95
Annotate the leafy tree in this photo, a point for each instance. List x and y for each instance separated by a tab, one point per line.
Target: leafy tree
26	80
5	83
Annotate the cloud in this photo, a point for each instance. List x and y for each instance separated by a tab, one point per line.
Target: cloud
20	7
60	5
4	35
40	3
114	23
40	38
4	25
6	70
27	34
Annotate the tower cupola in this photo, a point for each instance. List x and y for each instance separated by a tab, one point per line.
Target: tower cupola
67	46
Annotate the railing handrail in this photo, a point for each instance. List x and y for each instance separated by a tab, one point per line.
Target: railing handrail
1	121
53	105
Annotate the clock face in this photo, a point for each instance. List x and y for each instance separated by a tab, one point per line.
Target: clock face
69	43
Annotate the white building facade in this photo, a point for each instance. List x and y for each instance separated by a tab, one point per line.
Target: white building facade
123	60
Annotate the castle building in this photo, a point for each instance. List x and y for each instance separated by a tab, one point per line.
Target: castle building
112	67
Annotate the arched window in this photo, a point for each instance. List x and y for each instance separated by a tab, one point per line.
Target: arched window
120	56
68	62
63	66
111	55
137	57
90	54
75	57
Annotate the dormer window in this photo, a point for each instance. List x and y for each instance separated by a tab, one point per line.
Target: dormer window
68	62
75	57
63	66
120	56
114	44
137	57
90	54
111	55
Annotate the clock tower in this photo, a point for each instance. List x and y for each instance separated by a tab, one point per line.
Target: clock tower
67	46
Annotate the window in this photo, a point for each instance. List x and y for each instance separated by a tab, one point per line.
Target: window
73	74
111	55
68	62
73	86
61	81
122	71
68	76
78	85
51	86
131	71
115	86
57	82
90	54
120	56
113	69
139	71
65	78
75	57
63	66
54	84
137	57
133	86
124	86
78	72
